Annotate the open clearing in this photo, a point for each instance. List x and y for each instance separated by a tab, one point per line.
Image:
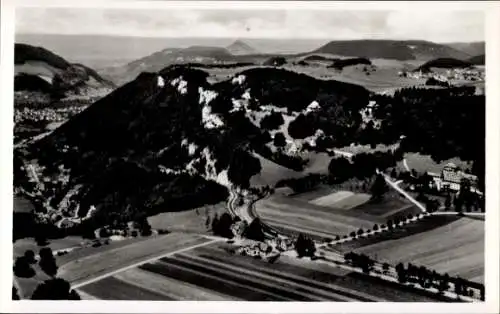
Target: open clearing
271	173
91	266
211	273
192	220
456	248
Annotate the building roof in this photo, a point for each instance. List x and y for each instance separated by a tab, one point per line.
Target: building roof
452	176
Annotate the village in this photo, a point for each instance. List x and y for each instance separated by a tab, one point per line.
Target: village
455	74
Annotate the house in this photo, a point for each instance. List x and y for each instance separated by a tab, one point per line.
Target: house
451	178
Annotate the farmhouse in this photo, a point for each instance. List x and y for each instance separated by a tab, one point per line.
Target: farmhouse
451	178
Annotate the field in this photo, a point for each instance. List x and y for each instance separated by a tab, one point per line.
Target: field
447	244
327	212
87	267
295	216
210	273
192	220
342	200
392	206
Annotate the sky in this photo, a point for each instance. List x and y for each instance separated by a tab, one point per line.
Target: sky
438	26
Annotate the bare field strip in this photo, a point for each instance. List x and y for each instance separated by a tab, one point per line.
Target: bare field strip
293	230
229	288
285	282
87	251
253	282
282	271
175	289
114	289
342	200
353	201
332	279
330	199
421	226
456	248
92	266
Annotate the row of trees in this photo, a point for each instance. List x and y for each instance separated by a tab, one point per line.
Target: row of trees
431	279
418	274
360	260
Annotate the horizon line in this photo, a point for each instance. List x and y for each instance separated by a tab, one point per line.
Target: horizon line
244	37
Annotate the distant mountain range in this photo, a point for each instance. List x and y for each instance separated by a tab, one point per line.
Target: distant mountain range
477	60
240	51
391	49
38	69
472	49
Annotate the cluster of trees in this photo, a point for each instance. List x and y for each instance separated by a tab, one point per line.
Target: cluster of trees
222	226
434	82
55	289
342	63
362	165
242	167
379	188
275	61
22	265
303	184
51	289
431	279
219	65
254	231
443	123
272	121
305	246
360	260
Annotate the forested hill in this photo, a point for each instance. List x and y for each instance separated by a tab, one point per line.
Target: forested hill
170	140
38	69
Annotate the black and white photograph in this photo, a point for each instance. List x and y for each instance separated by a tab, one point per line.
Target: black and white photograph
250	153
